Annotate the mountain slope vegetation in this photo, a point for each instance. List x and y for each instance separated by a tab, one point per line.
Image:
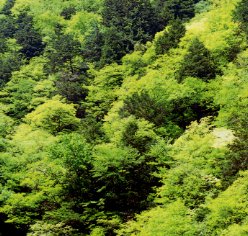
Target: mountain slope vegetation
123	117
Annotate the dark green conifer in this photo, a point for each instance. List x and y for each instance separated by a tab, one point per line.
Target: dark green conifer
170	38
197	62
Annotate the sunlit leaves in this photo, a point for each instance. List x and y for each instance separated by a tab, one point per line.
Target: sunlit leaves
54	116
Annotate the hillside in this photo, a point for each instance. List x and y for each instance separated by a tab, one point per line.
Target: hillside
124	117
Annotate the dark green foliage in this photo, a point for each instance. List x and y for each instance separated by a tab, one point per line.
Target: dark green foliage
116	45
93	43
133	17
79	188
9	63
61	52
241	14
197	63
10	229
28	37
75	155
6	10
8	27
70	86
170	38
11	59
143	106
126	22
125	179
3	46
237	159
67	13
174	9
186	110
180	112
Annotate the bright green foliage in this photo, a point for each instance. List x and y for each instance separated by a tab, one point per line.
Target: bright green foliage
229	208
54	116
6	126
236	229
40	229
133	63
174	220
233	99
152	144
25	90
81	24
195	173
99	97
26	175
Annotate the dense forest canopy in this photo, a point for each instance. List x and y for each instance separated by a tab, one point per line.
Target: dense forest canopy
124	117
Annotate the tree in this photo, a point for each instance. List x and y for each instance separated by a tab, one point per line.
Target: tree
93	44
174	219
27	88
61	51
173	9
31	45
124	178
10	61
6	10
241	14
70	86
54	116
126	22
143	106
170	38
197	63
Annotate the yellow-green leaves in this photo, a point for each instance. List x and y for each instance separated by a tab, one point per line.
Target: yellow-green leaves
54	116
172	220
229	208
81	24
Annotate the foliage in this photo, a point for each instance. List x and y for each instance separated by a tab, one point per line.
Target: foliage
197	63
195	173
173	220
170	38
41	228
230	208
123	117
241	15
126	22
54	116
32	45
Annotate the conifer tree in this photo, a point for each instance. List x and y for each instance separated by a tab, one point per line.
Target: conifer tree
197	62
126	22
170	38
241	15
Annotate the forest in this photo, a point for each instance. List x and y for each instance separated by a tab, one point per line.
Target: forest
124	118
